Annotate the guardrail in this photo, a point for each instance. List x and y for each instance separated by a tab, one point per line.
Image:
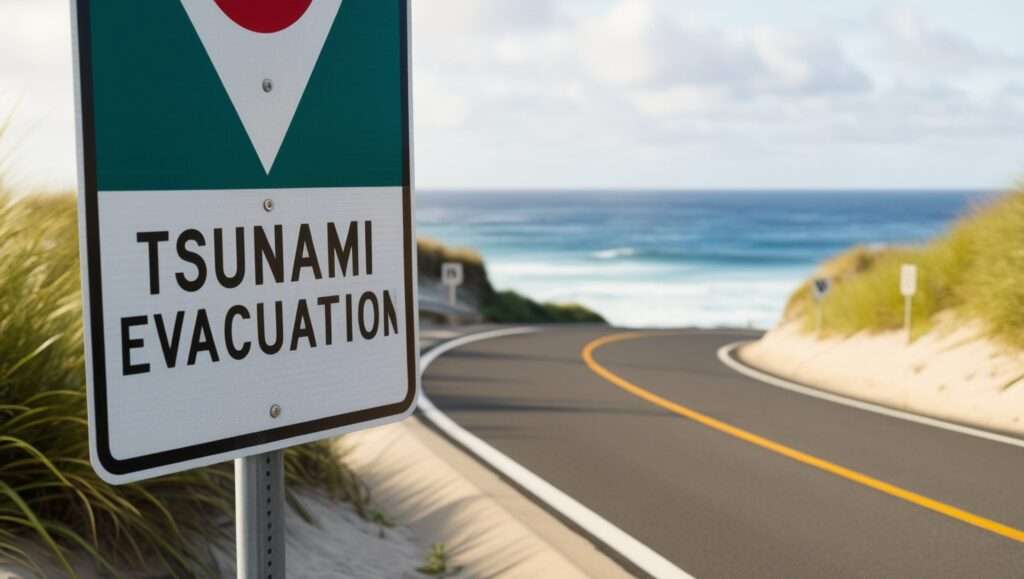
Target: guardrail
443	312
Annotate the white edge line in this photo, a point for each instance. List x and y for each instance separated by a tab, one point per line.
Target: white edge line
600	528
725	356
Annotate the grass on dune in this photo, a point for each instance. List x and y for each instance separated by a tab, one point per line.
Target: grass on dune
974	270
509	307
49	494
503	307
435	251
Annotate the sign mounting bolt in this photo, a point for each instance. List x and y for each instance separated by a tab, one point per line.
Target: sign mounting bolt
275	410
268	85
268	205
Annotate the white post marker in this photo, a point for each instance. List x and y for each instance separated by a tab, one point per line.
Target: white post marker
820	286
908	287
247	242
452	277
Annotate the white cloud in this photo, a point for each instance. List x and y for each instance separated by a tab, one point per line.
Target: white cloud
642	43
661	93
446	17
679	100
437	107
36	90
909	37
616	46
809	63
661	101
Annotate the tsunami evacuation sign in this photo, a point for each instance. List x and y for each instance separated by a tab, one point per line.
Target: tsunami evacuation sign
246	226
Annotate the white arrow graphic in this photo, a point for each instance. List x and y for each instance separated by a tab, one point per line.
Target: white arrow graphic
264	74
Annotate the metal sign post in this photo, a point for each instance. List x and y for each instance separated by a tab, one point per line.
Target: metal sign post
908	287
259	516
821	287
907	315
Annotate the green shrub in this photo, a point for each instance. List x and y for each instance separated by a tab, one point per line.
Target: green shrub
431	255
438	562
48	490
510	307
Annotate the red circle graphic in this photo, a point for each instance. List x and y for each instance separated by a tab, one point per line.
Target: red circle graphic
265	16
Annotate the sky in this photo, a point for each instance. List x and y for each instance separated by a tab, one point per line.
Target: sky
640	94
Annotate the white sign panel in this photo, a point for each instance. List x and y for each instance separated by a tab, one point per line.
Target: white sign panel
246	226
908	280
264	74
451	274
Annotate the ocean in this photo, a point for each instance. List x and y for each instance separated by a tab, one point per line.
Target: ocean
670	259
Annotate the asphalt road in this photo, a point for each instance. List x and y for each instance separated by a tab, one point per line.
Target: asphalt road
716	504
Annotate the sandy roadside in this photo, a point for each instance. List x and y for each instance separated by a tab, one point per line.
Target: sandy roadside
436	494
954	372
337	543
443	495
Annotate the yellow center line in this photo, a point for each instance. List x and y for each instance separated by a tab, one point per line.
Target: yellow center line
767	444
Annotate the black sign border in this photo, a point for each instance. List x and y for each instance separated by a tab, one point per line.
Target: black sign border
99	419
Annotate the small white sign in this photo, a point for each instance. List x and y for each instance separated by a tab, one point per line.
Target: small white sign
821	286
452	274
908	280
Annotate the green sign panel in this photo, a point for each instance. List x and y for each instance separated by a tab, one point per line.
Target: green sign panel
247	225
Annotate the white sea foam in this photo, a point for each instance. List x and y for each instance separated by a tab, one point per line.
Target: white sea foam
519	269
614	253
643	301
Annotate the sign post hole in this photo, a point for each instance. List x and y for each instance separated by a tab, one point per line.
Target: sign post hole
259	515
247	241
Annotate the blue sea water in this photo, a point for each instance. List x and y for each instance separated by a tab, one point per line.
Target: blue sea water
667	259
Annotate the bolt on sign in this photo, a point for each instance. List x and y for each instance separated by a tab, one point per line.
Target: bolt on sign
246	225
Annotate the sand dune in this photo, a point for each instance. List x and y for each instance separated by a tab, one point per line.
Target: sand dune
954	373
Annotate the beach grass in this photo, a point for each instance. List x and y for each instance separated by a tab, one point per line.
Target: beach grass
49	495
435	251
509	307
973	271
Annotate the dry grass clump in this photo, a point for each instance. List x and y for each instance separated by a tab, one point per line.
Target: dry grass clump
436	251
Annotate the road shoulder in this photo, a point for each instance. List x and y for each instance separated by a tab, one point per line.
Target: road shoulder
445	496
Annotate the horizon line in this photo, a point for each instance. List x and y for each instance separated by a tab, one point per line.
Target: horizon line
490	190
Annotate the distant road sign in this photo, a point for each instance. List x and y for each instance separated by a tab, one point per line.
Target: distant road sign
821	287
246	227
451	274
908	280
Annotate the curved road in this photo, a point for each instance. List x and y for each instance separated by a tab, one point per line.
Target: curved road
729	477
